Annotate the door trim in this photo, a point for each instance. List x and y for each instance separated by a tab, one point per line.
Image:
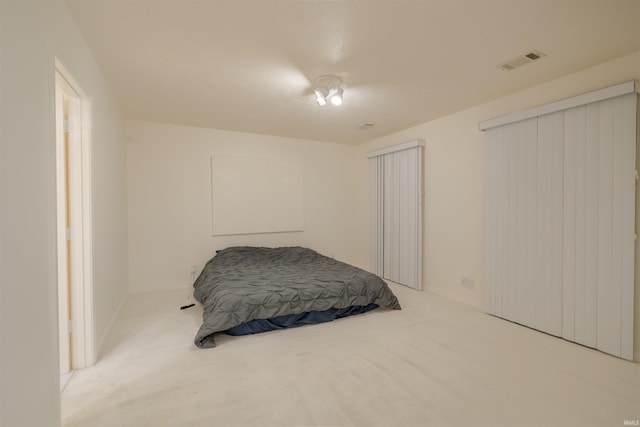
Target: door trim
83	352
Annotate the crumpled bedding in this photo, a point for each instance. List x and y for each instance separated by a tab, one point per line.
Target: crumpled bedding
241	284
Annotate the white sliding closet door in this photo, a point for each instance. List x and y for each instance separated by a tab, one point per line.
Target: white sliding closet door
560	223
376	166
549	222
616	226
524	223
396	183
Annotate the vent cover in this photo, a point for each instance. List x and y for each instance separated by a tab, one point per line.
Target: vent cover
521	60
365	126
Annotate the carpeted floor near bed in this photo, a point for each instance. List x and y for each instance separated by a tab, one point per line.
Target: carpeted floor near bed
434	363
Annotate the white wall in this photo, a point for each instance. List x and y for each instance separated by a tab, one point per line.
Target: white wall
454	181
33	33
169	184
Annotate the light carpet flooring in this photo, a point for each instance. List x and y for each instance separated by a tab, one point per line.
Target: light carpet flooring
434	363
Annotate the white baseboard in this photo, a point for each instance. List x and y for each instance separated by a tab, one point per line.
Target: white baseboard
182	286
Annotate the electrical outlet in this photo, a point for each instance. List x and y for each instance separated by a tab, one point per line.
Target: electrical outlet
465	282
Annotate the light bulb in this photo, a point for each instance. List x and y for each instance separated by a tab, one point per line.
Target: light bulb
336	98
320	97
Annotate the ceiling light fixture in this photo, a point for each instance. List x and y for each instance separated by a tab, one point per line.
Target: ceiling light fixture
328	89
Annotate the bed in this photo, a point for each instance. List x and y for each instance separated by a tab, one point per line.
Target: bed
246	290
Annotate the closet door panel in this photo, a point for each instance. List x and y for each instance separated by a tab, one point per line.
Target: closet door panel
400	196
527	221
549	212
510	224
628	218
571	149
414	218
606	294
615	298
629	136
544	192
501	214
619	190
391	223
376	165
408	216
586	294
500	273
492	198
578	184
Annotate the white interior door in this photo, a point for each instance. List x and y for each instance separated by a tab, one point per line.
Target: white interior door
62	234
73	187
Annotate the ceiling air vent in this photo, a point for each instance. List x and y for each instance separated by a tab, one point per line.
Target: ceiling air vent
365	126
521	60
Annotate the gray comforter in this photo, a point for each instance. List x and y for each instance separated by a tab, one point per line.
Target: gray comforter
241	284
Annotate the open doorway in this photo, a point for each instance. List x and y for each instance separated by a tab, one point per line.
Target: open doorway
73	191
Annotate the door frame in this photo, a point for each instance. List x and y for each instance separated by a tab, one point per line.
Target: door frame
83	352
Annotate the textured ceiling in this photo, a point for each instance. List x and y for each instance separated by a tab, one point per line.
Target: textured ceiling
248	65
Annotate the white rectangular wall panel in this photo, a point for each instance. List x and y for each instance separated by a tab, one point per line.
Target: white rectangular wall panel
256	195
560	222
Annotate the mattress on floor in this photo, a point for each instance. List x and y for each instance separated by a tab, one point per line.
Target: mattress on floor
254	289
